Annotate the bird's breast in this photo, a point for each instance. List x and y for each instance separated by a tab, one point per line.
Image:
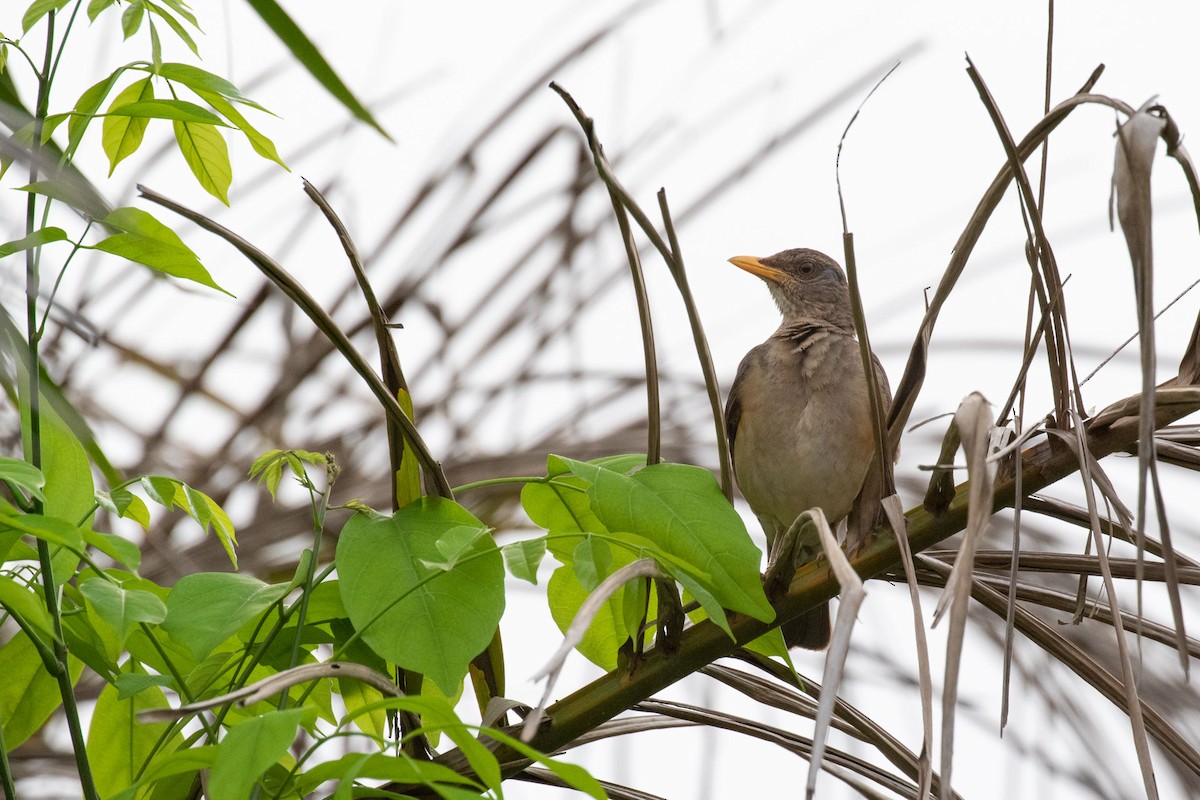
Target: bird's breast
804	439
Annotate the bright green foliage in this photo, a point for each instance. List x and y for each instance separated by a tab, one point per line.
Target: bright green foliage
673	513
171	493
380	766
125	504
186	762
36	239
27	608
248	750
118	744
122	609
268	468
422	589
122	135
403	607
524	557
147	241
39	9
28	693
681	511
562	507
22	477
207	155
304	51
206	608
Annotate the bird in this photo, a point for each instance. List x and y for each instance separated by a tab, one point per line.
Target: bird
798	417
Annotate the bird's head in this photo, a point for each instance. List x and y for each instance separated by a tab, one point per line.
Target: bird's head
806	284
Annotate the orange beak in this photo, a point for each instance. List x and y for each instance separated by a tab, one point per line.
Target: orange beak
756	267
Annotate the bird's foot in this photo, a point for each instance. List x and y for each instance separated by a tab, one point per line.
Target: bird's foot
791	550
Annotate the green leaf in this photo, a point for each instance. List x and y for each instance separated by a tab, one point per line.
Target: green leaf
524	557
29	693
118	549
181	8
86	107
202	82
125	504
146	241
51	124
380	766
310	57
189	760
96	7
36	239
592	561
179	30
131	19
207	155
69	191
356	694
206	608
421	619
454	544
564	596
130	683
37	10
70	490
118	745
262	145
268	468
20	474
50	529
122	609
573	775
28	607
180	110
248	750
121	136
680	509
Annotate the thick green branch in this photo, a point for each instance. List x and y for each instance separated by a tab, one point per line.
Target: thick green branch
617	691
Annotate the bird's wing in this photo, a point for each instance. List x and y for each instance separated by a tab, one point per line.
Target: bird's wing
733	405
867	510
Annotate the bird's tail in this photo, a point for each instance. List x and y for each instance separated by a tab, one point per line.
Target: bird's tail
811	630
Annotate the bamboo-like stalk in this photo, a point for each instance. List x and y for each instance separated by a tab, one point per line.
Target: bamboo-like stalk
621	204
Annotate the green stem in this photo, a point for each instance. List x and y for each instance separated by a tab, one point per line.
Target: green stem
319	506
33	445
6	777
675	264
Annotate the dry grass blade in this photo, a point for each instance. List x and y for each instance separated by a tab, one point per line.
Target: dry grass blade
261	690
787	695
837	763
973	420
615	791
895	515
851	598
914	371
1085	666
1088	466
1046	283
1137	140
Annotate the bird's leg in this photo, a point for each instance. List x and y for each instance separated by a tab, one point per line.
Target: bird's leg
790	549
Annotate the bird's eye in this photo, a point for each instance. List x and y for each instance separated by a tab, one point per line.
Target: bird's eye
807	268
